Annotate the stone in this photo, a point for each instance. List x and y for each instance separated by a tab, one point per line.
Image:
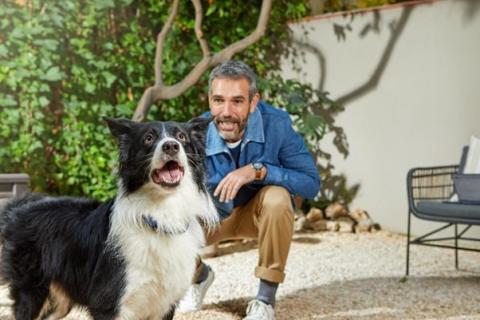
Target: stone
359	215
300	224
345	224
336	210
365	225
318	225
315	214
332	225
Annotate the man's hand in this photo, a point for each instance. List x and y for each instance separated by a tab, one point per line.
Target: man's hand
229	186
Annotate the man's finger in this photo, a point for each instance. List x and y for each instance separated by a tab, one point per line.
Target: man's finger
224	192
233	192
219	187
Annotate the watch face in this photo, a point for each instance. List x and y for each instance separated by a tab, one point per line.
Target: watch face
257	166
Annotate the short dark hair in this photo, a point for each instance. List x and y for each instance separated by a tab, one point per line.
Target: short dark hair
234	69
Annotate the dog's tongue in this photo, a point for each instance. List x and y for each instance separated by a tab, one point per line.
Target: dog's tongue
171	173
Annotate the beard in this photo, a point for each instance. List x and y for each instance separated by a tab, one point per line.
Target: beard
231	129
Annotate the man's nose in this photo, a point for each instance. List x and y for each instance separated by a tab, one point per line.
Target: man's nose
227	109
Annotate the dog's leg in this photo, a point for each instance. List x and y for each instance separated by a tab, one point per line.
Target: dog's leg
60	303
28	303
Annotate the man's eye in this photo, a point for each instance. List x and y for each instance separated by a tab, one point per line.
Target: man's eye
181	136
148	139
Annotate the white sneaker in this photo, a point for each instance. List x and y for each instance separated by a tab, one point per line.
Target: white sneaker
193	299
257	310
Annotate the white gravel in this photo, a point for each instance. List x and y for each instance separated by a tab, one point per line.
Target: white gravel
343	276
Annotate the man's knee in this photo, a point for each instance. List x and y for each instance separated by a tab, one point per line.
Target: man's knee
277	202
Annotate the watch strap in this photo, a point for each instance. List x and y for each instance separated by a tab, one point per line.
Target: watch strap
257	166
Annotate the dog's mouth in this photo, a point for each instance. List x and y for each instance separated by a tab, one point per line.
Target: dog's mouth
169	175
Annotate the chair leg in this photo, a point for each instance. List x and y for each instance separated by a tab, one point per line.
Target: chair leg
408	245
456	246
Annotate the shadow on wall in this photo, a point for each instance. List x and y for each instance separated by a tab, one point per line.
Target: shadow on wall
396	29
335	187
373	298
341	31
396	26
472	7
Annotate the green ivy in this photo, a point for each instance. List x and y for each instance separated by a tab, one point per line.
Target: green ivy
64	65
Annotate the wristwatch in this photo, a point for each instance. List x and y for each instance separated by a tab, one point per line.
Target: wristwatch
258	166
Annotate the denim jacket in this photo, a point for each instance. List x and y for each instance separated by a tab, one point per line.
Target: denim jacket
270	139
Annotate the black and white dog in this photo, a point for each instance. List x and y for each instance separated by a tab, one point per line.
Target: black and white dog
130	258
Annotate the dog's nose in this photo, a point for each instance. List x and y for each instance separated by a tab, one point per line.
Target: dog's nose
170	147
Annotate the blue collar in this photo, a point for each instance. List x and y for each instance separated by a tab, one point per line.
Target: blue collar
253	132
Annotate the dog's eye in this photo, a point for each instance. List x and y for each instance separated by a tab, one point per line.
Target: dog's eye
148	139
181	136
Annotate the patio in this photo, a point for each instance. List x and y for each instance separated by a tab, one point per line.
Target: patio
343	276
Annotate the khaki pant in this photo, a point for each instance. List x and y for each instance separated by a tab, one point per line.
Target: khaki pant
267	217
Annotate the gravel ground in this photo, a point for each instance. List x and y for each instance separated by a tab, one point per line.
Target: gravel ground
342	276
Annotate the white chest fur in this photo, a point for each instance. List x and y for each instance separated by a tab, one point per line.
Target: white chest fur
159	267
159	270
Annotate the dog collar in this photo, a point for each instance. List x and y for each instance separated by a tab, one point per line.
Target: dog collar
159	228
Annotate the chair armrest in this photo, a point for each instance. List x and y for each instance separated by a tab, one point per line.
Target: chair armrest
430	183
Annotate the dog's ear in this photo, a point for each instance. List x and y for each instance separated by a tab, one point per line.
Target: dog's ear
197	129
119	127
199	124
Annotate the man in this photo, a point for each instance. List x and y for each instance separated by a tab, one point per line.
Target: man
255	163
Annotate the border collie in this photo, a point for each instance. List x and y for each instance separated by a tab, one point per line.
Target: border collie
130	258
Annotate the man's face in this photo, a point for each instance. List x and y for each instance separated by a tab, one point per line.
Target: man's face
230	107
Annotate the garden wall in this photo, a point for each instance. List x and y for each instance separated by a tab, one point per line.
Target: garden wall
409	77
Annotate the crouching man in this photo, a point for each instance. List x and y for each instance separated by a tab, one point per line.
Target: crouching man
255	163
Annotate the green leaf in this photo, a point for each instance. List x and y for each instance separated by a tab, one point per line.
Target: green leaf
211	9
109	78
8	101
50	44
108	46
43	101
90	87
53	74
3	50
104	4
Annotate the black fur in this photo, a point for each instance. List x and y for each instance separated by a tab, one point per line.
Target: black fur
64	240
60	240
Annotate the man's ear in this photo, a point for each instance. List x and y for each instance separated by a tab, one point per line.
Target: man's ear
119	127
254	102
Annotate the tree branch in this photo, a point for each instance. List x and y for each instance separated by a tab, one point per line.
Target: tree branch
162	92
198	28
240	45
161	41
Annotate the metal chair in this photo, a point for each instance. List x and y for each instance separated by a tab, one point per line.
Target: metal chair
12	185
429	190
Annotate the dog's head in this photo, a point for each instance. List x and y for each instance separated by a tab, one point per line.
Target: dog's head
158	155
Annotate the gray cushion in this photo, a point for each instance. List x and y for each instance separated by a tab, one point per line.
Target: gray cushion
449	210
467	187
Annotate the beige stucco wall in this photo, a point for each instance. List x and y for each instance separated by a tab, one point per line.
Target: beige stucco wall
419	97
